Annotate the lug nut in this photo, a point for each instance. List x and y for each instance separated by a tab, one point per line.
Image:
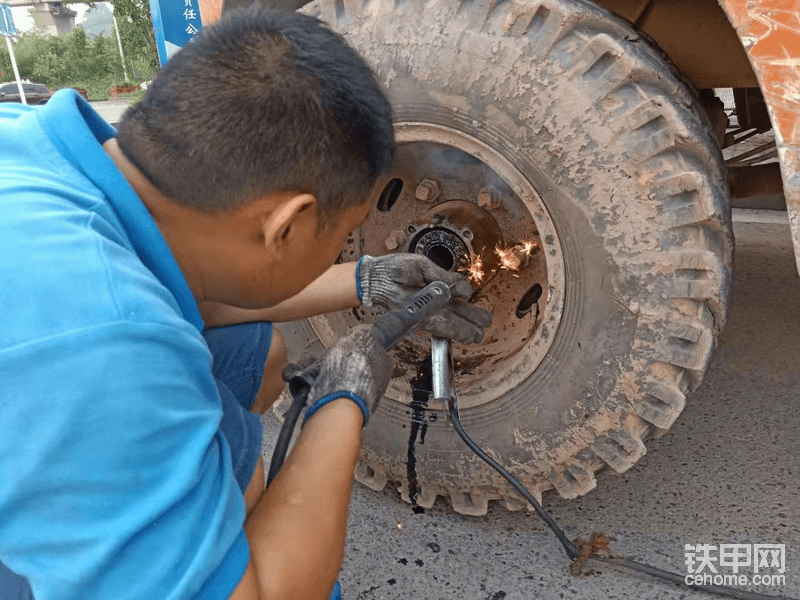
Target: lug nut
427	190
516	259
519	256
396	239
487	198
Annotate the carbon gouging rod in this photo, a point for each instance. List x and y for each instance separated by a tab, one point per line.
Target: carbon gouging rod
442	372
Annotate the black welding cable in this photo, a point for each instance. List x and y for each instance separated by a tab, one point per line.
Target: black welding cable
572	550
300	381
285	436
720	590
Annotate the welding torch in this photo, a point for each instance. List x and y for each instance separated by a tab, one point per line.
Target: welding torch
390	328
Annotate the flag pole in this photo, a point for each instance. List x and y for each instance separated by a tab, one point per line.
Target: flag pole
16	71
119	41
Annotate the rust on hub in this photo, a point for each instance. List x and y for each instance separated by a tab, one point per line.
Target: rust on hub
498	248
454	218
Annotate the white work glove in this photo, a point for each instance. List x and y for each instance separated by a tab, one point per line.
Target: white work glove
355	367
387	281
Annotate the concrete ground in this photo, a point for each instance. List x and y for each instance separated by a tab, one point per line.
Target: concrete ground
111	110
725	473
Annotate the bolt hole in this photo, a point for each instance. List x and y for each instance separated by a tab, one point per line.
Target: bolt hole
529	299
441	256
390	194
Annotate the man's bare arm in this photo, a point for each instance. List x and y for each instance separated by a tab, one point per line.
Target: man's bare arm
297	529
334	290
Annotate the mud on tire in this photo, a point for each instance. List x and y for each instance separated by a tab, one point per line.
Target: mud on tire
626	165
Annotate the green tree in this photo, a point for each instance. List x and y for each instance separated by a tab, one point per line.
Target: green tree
30	45
50	69
74	60
105	56
136	31
74	47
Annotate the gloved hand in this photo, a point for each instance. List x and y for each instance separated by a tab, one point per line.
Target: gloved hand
388	280
355	367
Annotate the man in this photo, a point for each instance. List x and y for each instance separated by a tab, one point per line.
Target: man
138	274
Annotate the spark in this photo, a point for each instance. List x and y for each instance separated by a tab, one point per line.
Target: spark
506	257
475	270
528	247
510	258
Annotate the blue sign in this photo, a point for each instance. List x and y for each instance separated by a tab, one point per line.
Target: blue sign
175	23
6	21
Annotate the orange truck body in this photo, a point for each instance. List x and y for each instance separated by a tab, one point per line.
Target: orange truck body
769	31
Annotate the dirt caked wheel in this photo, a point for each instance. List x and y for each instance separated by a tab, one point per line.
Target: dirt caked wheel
550	149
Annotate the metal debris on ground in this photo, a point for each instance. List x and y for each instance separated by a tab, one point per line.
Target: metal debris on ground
597	543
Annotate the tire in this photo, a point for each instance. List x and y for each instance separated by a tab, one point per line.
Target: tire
626	165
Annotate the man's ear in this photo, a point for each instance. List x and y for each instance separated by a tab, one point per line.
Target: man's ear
295	216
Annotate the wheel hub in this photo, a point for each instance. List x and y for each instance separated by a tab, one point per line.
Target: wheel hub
462	205
443	246
454	234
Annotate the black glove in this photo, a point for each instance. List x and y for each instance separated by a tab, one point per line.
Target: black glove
355	367
388	280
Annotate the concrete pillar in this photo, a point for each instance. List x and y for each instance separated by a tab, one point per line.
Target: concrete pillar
53	17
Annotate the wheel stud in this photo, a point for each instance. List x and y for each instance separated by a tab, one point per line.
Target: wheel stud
487	198
427	190
396	239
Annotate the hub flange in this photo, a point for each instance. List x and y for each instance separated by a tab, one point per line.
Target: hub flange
459	229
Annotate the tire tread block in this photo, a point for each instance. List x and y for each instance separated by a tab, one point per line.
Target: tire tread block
472	503
661	404
688	198
619	449
370	477
686	345
602	63
550	26
572	481
525	20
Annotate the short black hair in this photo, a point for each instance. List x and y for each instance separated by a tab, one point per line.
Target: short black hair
262	101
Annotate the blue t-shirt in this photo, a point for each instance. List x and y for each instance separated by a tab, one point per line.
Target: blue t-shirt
115	481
